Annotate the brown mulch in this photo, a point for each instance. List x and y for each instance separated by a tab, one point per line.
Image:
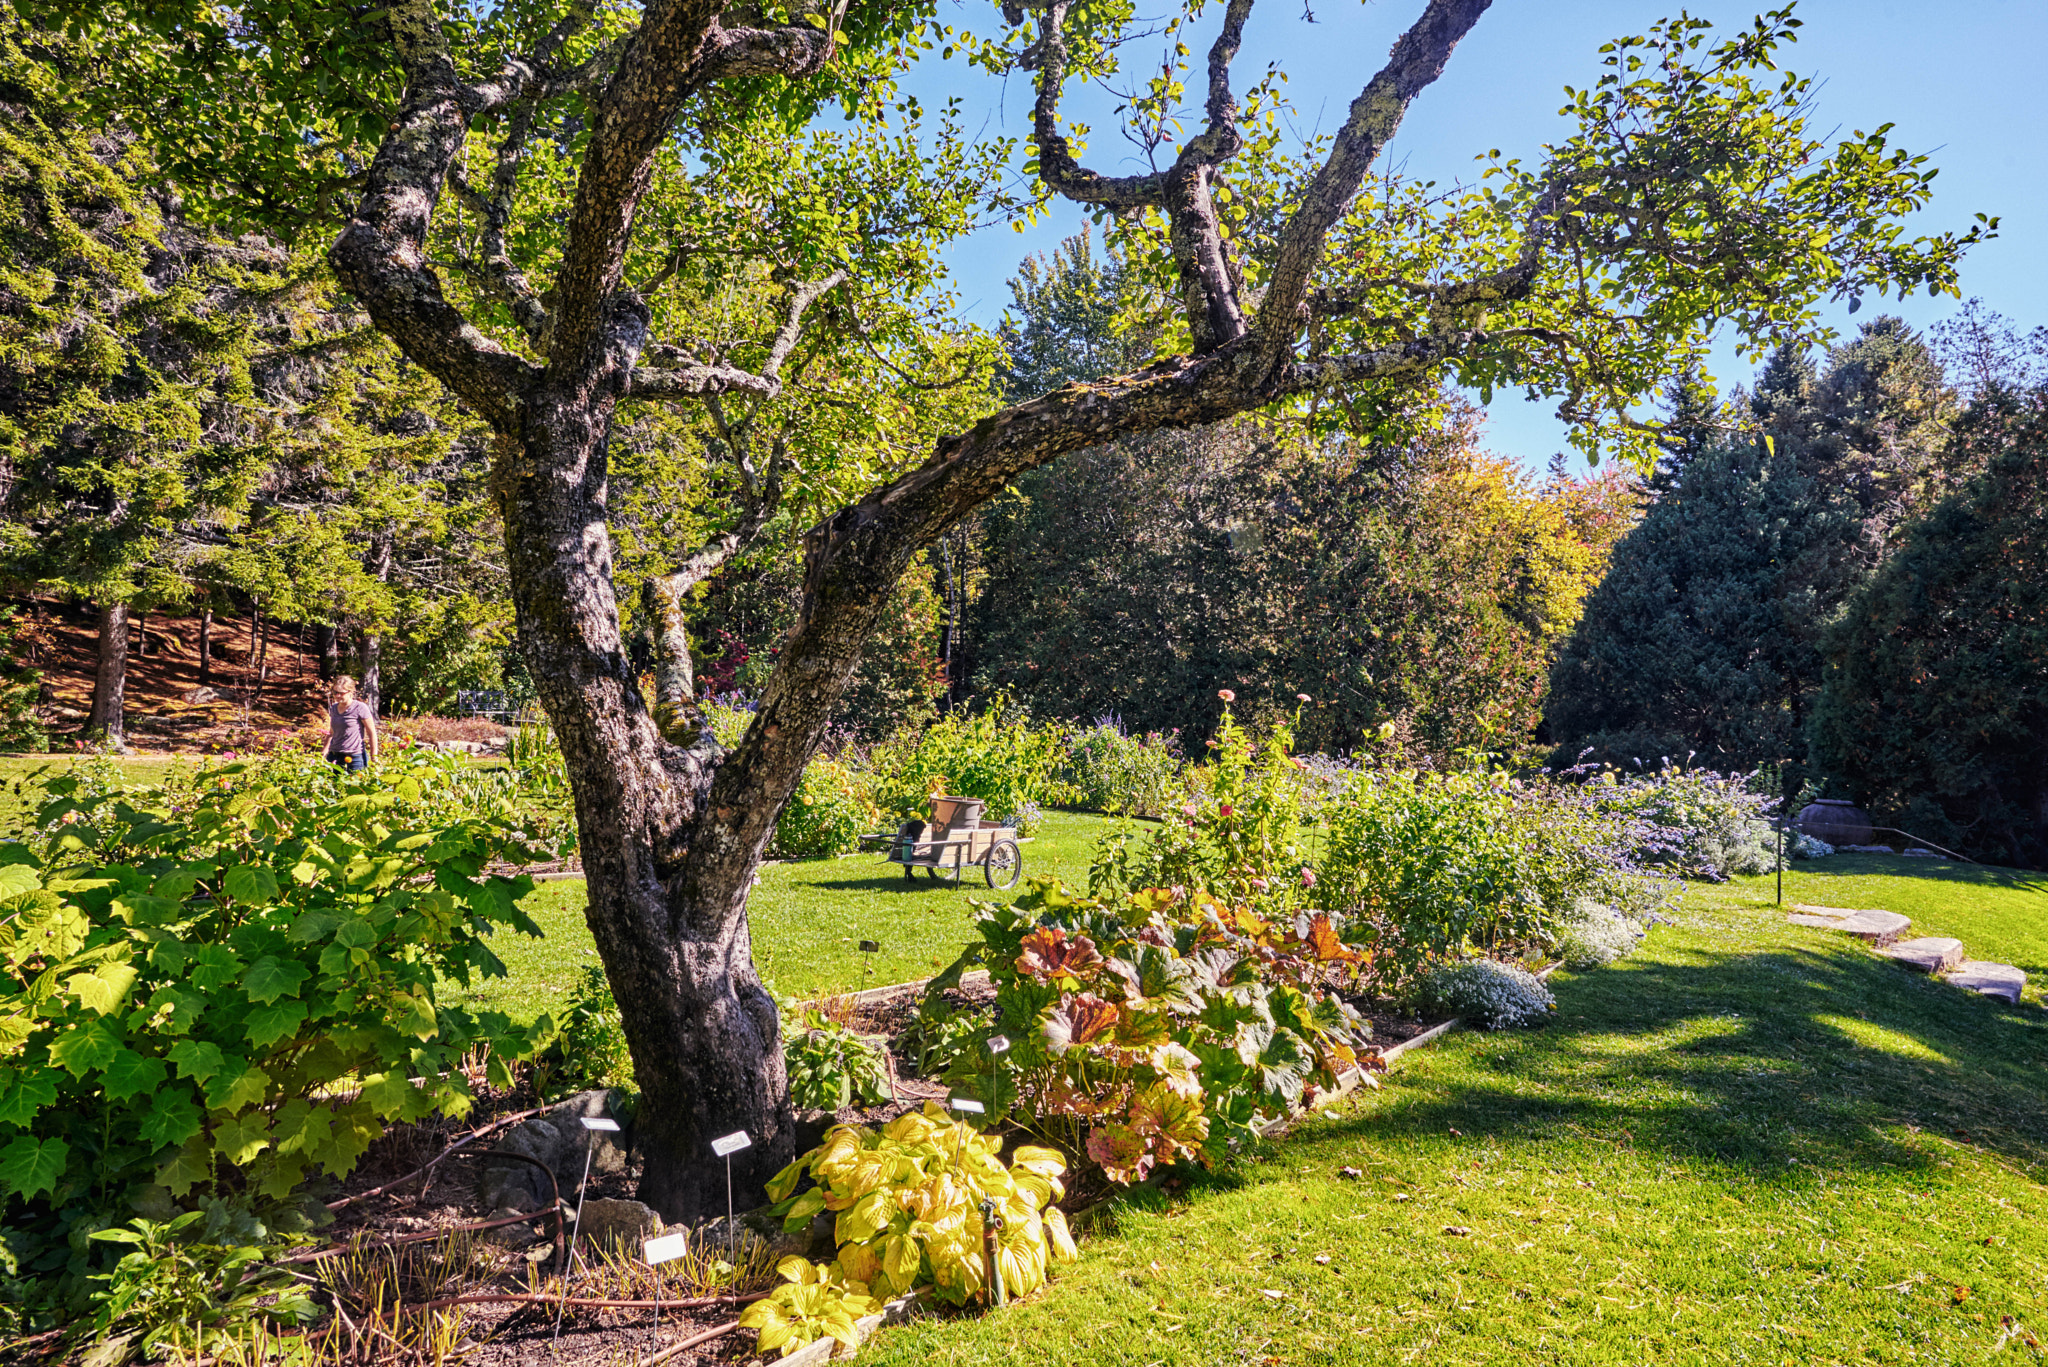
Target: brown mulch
61	641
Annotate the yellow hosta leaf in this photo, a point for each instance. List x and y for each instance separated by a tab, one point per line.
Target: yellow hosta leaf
1059	1237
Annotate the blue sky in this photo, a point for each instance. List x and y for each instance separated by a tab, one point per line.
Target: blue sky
1960	80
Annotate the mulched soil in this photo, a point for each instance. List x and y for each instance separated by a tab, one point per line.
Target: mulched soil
61	640
506	1334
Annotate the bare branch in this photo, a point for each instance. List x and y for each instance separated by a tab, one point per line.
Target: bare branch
801	297
1056	164
661	600
381	254
1418	59
695	381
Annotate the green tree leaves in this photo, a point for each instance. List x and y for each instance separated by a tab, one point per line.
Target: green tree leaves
29	1165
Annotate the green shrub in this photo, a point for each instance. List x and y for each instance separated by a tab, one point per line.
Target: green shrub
221	987
833	806
1411	866
830	1067
589	1048
996	755
1239	835
1107	769
1696	822
20	687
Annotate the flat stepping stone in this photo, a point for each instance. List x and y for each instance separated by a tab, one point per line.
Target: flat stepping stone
1929	953
1879	928
1988	979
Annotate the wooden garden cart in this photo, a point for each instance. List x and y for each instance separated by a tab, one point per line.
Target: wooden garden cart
954	840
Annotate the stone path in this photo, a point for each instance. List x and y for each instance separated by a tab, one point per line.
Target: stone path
1932	954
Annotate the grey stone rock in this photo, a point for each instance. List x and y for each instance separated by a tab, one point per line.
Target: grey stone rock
558	1140
1917	853
1929	953
1878	927
515	1237
609	1223
200	695
1988	979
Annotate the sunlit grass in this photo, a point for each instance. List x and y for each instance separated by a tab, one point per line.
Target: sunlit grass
808	919
1750	1143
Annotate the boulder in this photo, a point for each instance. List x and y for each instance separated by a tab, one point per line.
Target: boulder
200	695
1988	979
560	1141
515	1237
1879	928
609	1223
1929	953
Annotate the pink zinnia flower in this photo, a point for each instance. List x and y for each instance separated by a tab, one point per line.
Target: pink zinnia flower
1302	697
1191	810
1308	877
1224	810
1226	695
1260	884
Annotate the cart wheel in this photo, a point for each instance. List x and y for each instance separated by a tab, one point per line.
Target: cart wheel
1005	861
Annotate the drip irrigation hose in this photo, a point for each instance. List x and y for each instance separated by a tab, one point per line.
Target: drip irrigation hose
422	1171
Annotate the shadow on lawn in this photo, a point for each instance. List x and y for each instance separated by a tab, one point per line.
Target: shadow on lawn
1778	1062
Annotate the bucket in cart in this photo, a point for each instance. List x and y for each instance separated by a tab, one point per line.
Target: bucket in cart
957	813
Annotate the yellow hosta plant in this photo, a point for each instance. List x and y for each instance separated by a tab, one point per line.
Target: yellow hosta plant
812	1303
908	1200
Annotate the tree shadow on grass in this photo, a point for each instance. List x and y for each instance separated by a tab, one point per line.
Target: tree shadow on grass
1777	1063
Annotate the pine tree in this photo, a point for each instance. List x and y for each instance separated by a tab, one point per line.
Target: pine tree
1934	705
1705	636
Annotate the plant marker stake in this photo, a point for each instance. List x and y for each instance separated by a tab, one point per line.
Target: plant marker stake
655	1252
972	1107
725	1148
595	1125
997	1046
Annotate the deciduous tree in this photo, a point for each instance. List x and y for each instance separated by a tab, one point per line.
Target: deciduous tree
490	167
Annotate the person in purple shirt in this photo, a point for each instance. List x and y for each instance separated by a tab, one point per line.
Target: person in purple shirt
351	726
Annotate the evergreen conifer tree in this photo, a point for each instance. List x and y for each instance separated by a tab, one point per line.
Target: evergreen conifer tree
1704	639
1934	706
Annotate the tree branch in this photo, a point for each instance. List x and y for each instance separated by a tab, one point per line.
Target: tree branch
381	254
1056	164
1417	59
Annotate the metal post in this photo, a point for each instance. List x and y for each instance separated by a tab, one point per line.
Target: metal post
1781	859
725	1148
593	1126
588	1154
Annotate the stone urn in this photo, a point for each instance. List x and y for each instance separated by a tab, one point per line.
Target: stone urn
1835	820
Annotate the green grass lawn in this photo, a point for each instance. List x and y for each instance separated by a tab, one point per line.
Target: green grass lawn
1749	1143
1998	914
808	919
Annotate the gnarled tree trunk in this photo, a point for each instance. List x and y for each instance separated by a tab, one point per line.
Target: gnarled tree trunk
672	827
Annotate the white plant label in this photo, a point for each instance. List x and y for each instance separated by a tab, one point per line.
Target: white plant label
965	1103
602	1123
731	1144
656	1251
999	1044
